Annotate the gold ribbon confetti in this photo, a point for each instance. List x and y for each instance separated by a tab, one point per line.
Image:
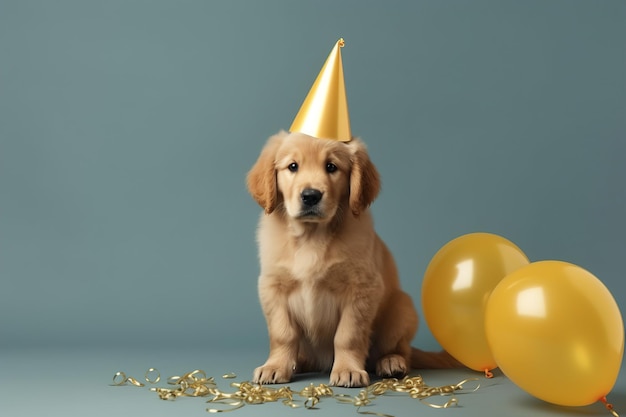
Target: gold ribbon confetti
413	386
197	384
120	378
152	376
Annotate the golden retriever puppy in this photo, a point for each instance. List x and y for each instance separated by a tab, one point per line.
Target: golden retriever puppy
328	286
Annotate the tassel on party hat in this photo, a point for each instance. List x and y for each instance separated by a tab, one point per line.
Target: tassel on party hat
324	113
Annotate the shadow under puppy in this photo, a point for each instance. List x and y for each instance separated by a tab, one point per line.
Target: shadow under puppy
328	285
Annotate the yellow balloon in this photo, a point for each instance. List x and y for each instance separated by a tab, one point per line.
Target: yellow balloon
455	290
556	331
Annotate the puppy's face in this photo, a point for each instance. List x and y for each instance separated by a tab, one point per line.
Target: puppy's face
313	177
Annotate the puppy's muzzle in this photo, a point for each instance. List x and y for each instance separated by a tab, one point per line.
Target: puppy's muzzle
310	197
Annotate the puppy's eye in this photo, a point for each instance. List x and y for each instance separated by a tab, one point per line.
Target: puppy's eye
293	167
330	167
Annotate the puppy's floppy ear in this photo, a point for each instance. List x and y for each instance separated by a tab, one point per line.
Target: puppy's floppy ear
364	178
261	179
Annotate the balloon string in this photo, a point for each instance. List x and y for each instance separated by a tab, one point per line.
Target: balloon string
488	373
609	407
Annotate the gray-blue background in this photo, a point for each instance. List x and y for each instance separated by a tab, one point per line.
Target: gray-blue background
127	129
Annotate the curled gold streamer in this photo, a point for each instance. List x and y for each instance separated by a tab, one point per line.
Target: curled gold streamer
313	394
197	384
118	382
452	401
235	406
413	386
372	413
150	372
120	378
192	384
134	382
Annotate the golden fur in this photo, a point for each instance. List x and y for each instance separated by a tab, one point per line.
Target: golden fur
328	286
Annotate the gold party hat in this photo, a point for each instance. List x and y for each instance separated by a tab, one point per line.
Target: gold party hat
324	113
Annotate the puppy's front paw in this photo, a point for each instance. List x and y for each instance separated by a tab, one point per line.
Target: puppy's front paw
271	374
391	365
349	378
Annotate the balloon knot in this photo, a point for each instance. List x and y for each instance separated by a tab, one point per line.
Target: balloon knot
488	373
341	42
609	407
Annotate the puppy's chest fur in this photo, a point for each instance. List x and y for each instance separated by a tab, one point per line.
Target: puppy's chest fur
317	314
314	302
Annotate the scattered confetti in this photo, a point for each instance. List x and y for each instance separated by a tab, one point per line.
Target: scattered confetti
197	384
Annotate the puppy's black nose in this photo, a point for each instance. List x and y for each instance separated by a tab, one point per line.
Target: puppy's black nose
311	196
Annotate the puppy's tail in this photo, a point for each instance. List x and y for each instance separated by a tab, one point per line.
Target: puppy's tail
433	360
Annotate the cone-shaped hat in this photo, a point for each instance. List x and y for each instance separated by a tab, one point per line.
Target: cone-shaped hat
324	113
